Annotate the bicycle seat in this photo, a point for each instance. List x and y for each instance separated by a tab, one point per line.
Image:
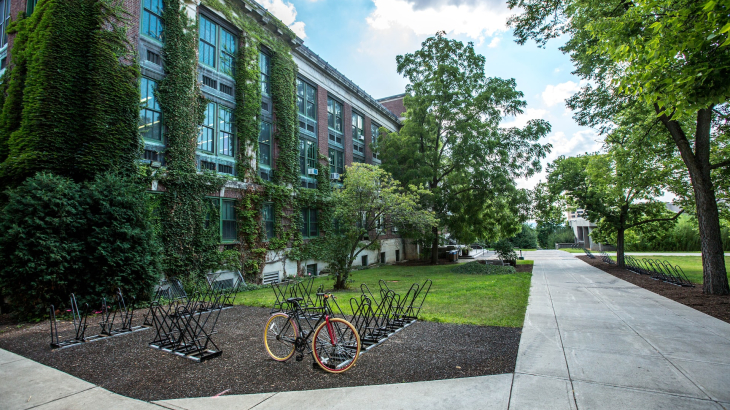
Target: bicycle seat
292	300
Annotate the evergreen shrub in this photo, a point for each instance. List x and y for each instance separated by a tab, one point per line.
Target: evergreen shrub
59	237
478	268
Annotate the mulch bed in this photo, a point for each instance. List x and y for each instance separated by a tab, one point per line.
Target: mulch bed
126	365
713	305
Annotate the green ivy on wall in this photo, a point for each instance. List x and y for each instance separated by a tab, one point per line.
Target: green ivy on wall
65	88
190	238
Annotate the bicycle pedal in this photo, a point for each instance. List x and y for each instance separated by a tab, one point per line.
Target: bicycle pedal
299	358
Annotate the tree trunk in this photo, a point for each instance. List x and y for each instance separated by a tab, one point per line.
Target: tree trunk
435	245
698	164
620	258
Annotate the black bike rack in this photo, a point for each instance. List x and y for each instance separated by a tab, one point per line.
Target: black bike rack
658	270
589	253
184	325
79	320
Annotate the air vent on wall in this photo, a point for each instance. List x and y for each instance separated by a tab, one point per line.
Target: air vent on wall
265	106
225	169
210	166
226	89
154	58
207	81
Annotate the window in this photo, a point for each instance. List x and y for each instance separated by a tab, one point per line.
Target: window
264	67
397	255
364	260
265	144
150	114
375	133
312	270
337	162
334	115
216	47
307	156
268	219
228	51
4	20
225	131
152	19
30	7
357	128
207	46
309	223
207	130
218	121
382	257
306	99
358	136
228	221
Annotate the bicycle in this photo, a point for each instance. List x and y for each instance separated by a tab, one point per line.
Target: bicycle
335	344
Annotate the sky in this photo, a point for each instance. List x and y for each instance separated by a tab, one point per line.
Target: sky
361	38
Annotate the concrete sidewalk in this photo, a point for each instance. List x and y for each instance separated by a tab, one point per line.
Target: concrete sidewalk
590	341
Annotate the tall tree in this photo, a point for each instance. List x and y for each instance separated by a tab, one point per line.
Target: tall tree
452	145
672	56
619	190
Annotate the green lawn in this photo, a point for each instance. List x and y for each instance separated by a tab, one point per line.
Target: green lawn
525	262
571	250
487	300
691	265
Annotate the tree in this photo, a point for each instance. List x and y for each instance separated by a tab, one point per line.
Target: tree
618	190
547	210
526	238
369	204
451	143
671	56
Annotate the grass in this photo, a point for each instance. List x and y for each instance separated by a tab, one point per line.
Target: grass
485	300
571	250
525	262
691	265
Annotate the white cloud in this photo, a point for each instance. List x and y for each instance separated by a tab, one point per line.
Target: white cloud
556	94
522	119
474	19
495	42
287	13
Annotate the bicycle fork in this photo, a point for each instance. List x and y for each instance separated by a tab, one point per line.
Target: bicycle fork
330	330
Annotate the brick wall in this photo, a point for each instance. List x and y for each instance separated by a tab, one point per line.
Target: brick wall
134	8
16	7
396	106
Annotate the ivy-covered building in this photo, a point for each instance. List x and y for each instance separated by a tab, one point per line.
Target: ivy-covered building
278	121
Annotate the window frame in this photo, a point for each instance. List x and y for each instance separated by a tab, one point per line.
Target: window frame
334	168
265	75
305	99
156	109
270	145
374	136
308	161
222	220
217	137
333	113
160	40
219	49
4	21
271	220
307	224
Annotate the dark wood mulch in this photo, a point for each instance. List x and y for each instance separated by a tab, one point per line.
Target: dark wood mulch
524	268
713	305
126	365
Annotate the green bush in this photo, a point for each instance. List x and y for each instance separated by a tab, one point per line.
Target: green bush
505	249
563	234
526	239
59	237
478	268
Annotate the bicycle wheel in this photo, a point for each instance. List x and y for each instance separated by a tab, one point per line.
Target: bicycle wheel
336	347
279	336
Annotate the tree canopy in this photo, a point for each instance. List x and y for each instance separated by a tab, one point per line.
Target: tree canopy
452	144
667	59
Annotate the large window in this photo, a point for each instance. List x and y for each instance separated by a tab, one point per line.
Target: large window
152	19
264	68
309	223
217	46
228	220
307	156
358	135
4	20
218	121
334	115
268	219
30	7
265	145
375	133
306	99
337	161
150	113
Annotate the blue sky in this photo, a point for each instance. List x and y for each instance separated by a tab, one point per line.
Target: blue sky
361	38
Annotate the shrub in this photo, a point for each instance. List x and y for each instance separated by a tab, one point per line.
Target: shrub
59	237
526	239
506	250
478	268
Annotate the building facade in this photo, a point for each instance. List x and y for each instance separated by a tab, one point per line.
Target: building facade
336	118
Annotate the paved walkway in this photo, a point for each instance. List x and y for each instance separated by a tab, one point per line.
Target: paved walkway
590	341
